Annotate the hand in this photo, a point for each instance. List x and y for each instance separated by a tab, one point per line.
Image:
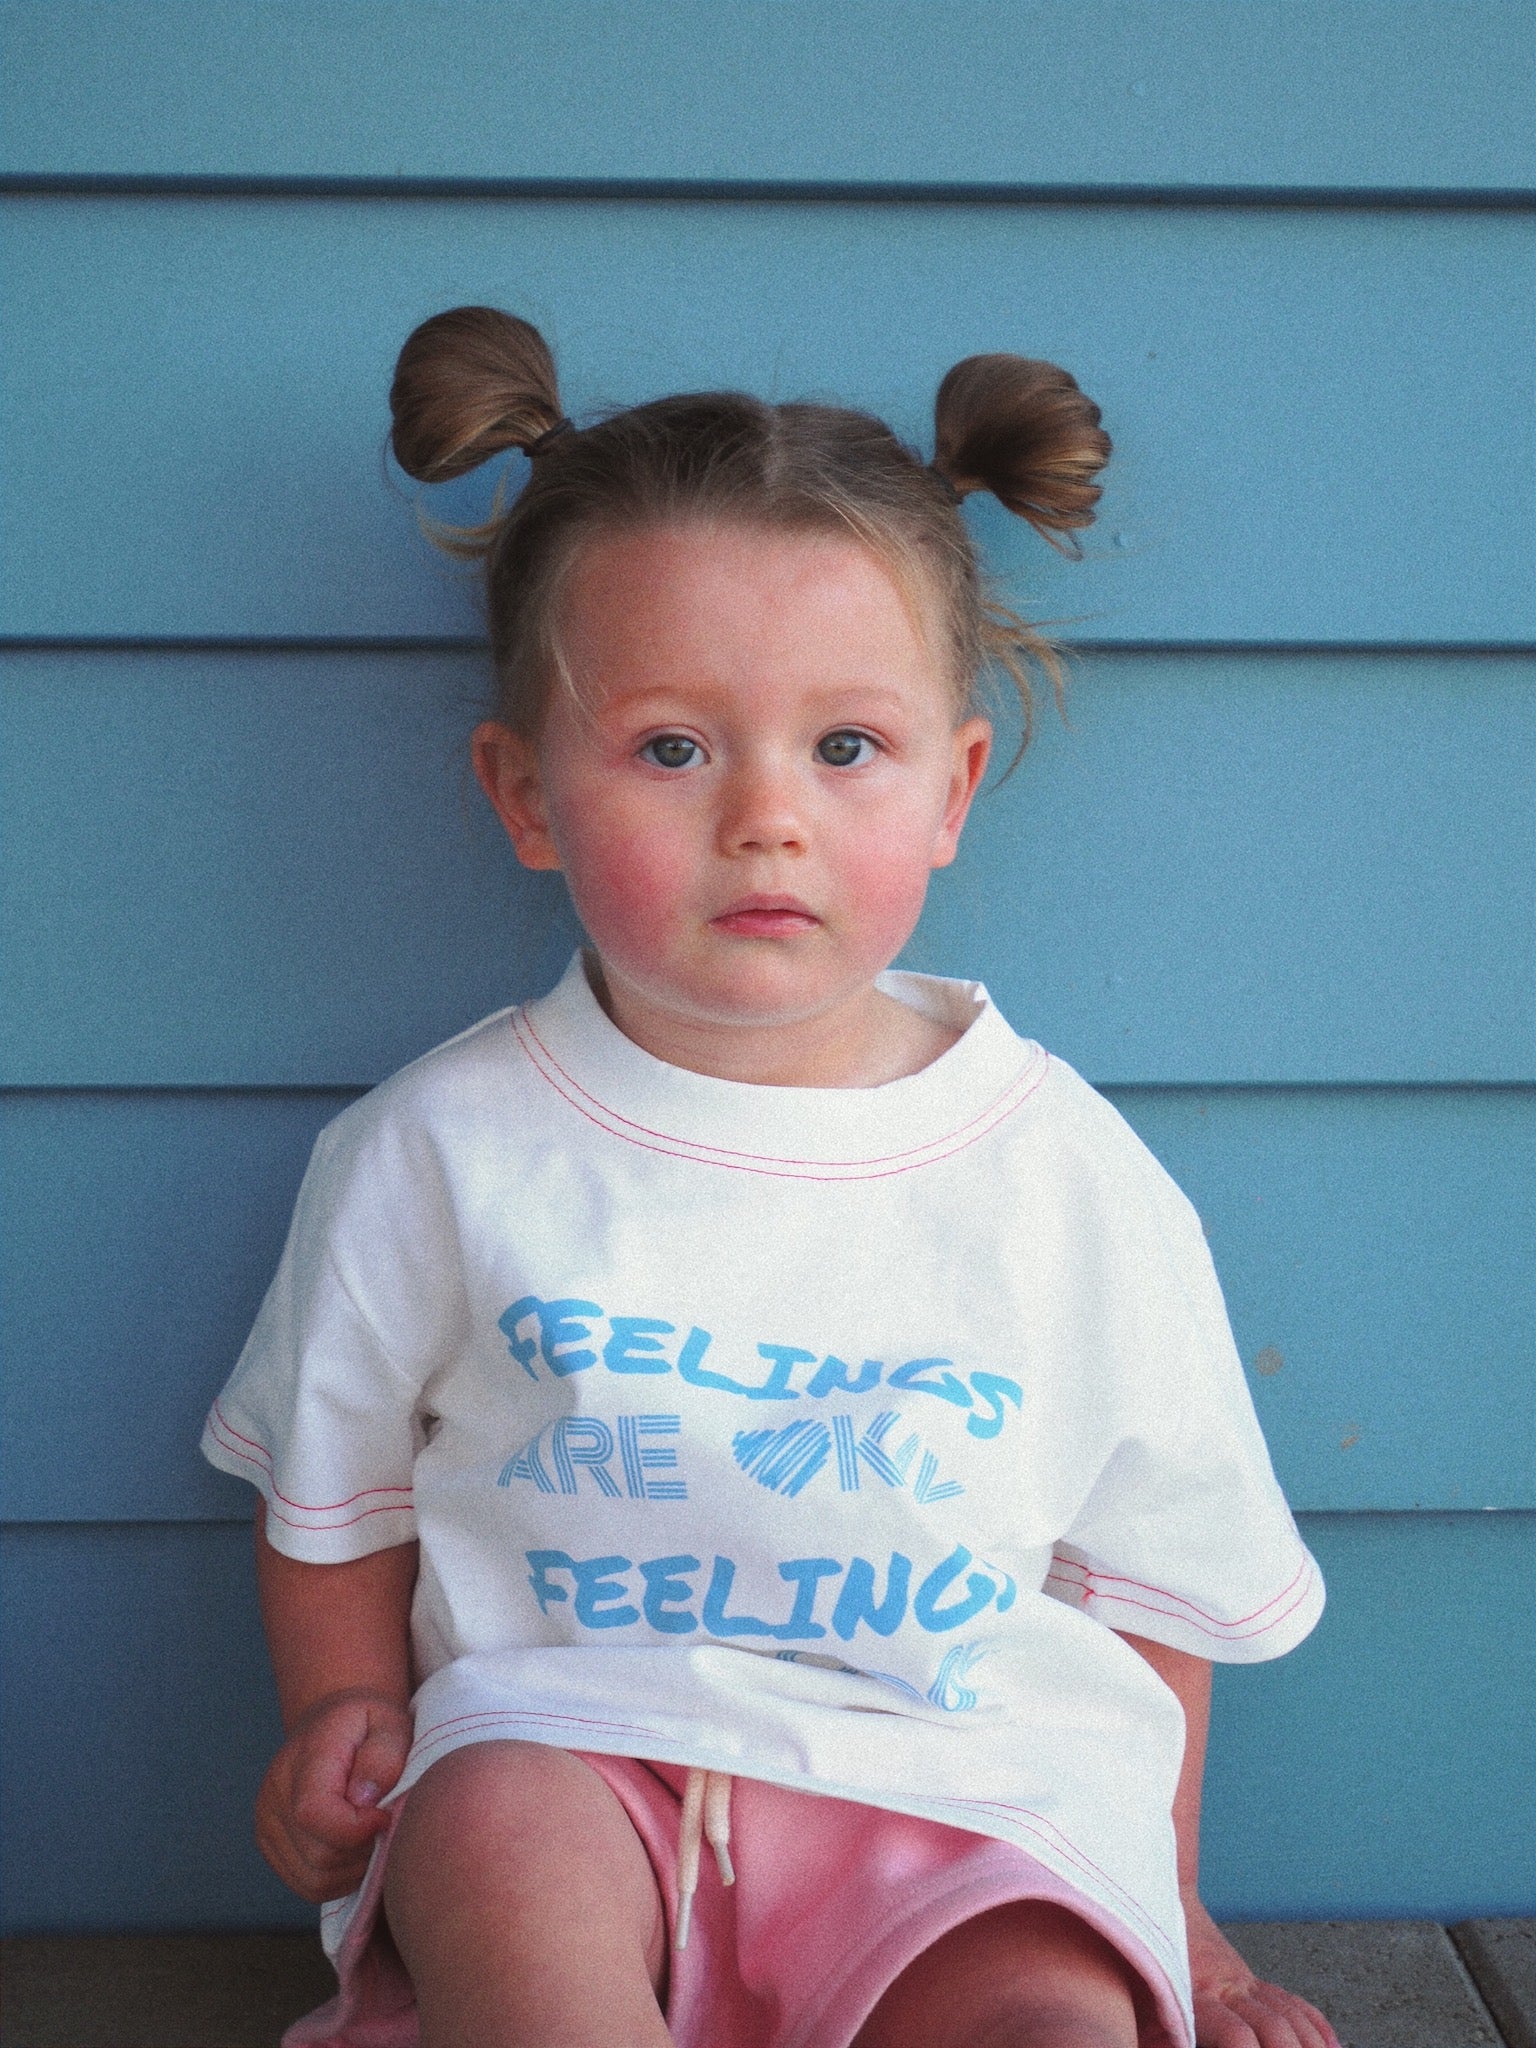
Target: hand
317	1812
1235	2009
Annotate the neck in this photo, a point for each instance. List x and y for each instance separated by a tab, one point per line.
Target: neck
869	1039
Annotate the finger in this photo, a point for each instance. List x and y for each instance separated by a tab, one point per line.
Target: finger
337	1879
379	1760
330	1821
323	1756
323	1770
314	1838
316	1871
292	1861
318	1887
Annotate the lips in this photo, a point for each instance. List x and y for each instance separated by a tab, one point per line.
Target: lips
766	917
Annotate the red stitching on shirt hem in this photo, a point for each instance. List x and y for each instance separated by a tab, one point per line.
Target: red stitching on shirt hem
434	1735
532	1714
1047	1831
1033	1823
702	1156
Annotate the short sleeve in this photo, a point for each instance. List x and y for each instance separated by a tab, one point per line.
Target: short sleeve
324	1412
1184	1535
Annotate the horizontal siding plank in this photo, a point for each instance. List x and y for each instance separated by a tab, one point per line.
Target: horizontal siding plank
1378	1250
196	395
175	1711
142	1233
1378	1253
1259	869
241	906
1383	1768
1425	93
1230	869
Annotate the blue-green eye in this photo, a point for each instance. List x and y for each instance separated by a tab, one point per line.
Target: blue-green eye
671	750
843	749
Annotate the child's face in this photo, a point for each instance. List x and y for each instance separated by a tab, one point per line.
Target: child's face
761	773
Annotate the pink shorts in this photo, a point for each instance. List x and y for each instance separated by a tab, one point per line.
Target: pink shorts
832	1901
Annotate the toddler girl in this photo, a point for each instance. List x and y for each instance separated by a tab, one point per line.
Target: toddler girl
749	1394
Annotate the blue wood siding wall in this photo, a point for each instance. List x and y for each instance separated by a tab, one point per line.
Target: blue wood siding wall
1272	888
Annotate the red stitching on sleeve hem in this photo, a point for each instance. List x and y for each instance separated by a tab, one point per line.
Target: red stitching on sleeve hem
325	1528
1141	1586
1219	1631
258	1455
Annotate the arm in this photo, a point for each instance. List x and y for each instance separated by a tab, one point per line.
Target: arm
339	1636
1189	1680
1233	2008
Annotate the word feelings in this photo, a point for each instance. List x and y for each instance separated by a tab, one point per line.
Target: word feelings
565	1337
604	1593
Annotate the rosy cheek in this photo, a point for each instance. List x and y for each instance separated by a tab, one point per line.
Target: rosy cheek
626	886
890	882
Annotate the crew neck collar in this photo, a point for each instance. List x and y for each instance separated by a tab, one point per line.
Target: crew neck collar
854	1132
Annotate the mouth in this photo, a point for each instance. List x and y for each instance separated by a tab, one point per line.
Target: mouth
766	917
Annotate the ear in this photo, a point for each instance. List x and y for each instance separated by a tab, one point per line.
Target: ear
507	769
973	749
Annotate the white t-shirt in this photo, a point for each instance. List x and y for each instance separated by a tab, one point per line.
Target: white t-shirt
815	1435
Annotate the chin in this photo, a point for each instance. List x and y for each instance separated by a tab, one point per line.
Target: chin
753	983
764	1007
762	996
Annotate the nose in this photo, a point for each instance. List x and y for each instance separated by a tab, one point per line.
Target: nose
760	810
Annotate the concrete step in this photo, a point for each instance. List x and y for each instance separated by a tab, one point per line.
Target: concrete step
1501	1954
1383	1983
1405	1983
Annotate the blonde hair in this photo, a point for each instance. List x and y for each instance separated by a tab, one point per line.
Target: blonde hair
474	382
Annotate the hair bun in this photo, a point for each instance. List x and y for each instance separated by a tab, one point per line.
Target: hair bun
1024	431
469	384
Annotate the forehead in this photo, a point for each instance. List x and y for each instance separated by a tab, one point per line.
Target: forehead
735	599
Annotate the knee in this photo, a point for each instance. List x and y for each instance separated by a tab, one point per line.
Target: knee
1026	2022
1031	1975
506	1793
501	1836
1053	1983
483	1768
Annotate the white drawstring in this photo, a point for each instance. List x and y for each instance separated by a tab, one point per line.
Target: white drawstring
706	1814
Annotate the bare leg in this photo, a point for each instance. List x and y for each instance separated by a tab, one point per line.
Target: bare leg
1030	1975
524	1906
